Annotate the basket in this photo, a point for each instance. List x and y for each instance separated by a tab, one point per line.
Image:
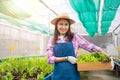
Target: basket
87	66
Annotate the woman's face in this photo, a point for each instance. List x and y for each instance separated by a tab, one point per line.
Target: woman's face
63	26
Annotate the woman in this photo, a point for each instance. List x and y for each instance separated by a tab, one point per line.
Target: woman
62	49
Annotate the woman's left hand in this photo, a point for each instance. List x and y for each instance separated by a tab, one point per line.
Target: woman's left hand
112	63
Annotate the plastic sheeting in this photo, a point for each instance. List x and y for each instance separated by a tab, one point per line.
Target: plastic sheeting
32	25
21	42
88	14
40	21
9	8
88	11
108	14
14	15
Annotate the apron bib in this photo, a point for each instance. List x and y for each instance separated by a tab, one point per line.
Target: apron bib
65	70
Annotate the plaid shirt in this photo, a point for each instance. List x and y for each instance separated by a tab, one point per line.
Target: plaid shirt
78	42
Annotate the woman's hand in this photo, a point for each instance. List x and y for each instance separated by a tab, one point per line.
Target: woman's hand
108	57
111	59
72	59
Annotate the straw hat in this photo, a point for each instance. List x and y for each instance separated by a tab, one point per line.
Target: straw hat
62	16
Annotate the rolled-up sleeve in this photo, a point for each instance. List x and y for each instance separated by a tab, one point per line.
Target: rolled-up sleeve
83	43
49	52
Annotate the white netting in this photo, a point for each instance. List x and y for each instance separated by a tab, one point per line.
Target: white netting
20	42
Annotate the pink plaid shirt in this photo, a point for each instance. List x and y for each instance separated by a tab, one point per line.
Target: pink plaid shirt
78	42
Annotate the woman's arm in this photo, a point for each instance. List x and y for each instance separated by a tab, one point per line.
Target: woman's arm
49	52
60	59
83	43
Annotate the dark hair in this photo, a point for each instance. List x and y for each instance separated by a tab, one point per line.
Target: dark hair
56	32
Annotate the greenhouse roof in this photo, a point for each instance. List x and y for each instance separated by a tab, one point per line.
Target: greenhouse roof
37	14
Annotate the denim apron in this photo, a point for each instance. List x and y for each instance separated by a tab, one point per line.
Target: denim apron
65	70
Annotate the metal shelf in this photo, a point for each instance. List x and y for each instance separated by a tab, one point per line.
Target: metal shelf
117	66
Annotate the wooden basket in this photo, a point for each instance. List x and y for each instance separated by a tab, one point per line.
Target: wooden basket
93	66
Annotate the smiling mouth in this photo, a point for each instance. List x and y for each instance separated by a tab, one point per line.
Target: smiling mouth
63	30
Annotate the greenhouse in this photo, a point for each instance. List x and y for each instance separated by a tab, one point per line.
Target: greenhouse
27	26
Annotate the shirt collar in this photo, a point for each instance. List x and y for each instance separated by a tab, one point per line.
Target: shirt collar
63	37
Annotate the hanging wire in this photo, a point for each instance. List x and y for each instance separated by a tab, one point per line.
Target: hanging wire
48	7
116	28
49	24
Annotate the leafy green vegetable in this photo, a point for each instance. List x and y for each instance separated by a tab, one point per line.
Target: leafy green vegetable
93	57
24	68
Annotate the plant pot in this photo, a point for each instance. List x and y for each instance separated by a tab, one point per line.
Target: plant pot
48	77
87	66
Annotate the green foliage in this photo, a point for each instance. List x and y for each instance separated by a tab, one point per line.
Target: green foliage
4	78
93	57
35	67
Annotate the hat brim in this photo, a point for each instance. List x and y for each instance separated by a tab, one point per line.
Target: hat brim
54	20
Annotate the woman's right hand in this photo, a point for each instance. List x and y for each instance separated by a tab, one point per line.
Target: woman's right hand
72	59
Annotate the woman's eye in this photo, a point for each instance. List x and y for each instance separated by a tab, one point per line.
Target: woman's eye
61	24
66	24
